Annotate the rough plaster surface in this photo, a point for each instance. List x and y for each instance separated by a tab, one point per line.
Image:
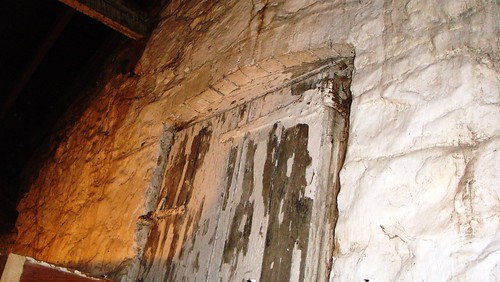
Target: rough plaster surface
420	190
264	211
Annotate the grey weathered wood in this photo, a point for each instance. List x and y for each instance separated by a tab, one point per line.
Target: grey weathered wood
117	14
249	193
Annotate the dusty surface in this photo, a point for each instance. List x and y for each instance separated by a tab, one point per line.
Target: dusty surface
419	196
244	194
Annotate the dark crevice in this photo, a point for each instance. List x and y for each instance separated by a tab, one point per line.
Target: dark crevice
341	93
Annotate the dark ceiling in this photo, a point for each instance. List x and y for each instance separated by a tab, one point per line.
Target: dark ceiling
45	47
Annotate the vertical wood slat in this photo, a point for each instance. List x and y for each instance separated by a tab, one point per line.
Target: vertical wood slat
38	273
262	209
19	268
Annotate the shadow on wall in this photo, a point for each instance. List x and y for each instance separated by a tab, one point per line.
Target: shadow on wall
129	94
89	126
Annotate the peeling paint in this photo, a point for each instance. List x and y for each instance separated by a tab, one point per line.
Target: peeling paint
171	211
289	165
281	238
229	174
199	148
237	240
245	192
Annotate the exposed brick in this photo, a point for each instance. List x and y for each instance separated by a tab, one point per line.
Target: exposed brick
197	103
225	86
271	65
239	78
254	72
288	60
210	95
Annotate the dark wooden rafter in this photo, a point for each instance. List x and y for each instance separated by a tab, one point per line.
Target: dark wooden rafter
117	14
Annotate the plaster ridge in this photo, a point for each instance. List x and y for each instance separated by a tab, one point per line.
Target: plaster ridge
446	148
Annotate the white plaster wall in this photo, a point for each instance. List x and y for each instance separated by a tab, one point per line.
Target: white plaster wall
421	183
420	186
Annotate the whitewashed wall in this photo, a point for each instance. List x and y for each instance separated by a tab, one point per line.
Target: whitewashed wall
420	187
421	183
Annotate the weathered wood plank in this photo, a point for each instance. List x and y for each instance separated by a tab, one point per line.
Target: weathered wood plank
25	269
117	14
257	192
35	272
180	243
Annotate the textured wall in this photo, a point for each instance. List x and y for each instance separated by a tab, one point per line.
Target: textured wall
247	193
420	195
420	187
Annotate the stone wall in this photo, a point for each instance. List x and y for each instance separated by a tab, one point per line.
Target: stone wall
419	193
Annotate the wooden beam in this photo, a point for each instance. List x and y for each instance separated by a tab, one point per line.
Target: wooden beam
23	269
117	14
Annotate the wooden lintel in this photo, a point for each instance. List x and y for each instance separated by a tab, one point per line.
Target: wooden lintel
17	268
116	14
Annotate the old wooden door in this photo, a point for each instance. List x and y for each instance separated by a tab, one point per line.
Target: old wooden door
249	194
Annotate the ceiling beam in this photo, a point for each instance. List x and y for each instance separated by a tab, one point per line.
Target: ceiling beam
117	14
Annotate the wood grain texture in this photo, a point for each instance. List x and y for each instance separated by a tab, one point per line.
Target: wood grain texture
247	193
